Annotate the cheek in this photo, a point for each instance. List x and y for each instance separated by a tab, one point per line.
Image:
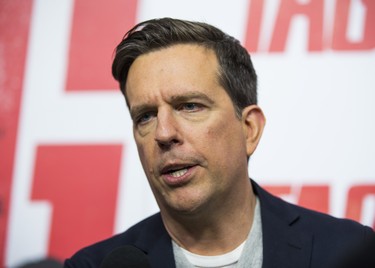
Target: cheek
208	139
223	132
221	139
227	141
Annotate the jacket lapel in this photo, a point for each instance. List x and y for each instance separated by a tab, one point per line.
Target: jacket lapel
156	243
284	245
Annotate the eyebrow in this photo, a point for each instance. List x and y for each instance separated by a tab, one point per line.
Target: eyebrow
191	96
178	98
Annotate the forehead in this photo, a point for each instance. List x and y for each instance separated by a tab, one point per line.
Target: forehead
173	69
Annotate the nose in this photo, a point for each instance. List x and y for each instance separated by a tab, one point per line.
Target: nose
167	134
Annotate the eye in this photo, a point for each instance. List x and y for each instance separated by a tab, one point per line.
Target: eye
144	118
190	107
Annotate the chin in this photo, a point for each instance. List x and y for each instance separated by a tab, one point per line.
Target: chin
188	206
185	201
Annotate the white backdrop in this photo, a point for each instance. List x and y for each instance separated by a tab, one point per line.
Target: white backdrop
319	105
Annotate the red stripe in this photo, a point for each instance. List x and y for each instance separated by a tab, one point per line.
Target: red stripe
15	18
97	28
80	183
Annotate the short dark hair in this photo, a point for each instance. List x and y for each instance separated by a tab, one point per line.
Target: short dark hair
236	72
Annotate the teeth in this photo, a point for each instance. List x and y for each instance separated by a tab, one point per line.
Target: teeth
178	173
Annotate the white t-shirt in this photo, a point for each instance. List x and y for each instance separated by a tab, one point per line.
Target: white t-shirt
226	260
249	254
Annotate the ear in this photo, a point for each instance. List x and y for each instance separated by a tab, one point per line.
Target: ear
253	122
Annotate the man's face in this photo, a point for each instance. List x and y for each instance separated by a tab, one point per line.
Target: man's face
190	142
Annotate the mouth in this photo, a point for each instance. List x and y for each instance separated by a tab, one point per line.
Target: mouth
177	175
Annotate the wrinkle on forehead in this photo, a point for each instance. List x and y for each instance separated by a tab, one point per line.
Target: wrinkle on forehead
192	63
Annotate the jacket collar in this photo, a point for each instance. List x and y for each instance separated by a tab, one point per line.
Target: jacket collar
155	241
284	244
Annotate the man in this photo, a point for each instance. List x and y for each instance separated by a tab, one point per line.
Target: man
191	93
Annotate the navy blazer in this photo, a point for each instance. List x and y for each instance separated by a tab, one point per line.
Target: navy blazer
292	237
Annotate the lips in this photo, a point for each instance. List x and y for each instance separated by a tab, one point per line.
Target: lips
177	174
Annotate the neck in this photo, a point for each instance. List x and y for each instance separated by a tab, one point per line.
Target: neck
215	229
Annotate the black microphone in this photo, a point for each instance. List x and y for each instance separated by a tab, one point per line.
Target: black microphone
126	257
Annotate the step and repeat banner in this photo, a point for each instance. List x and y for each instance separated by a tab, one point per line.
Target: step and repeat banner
69	169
